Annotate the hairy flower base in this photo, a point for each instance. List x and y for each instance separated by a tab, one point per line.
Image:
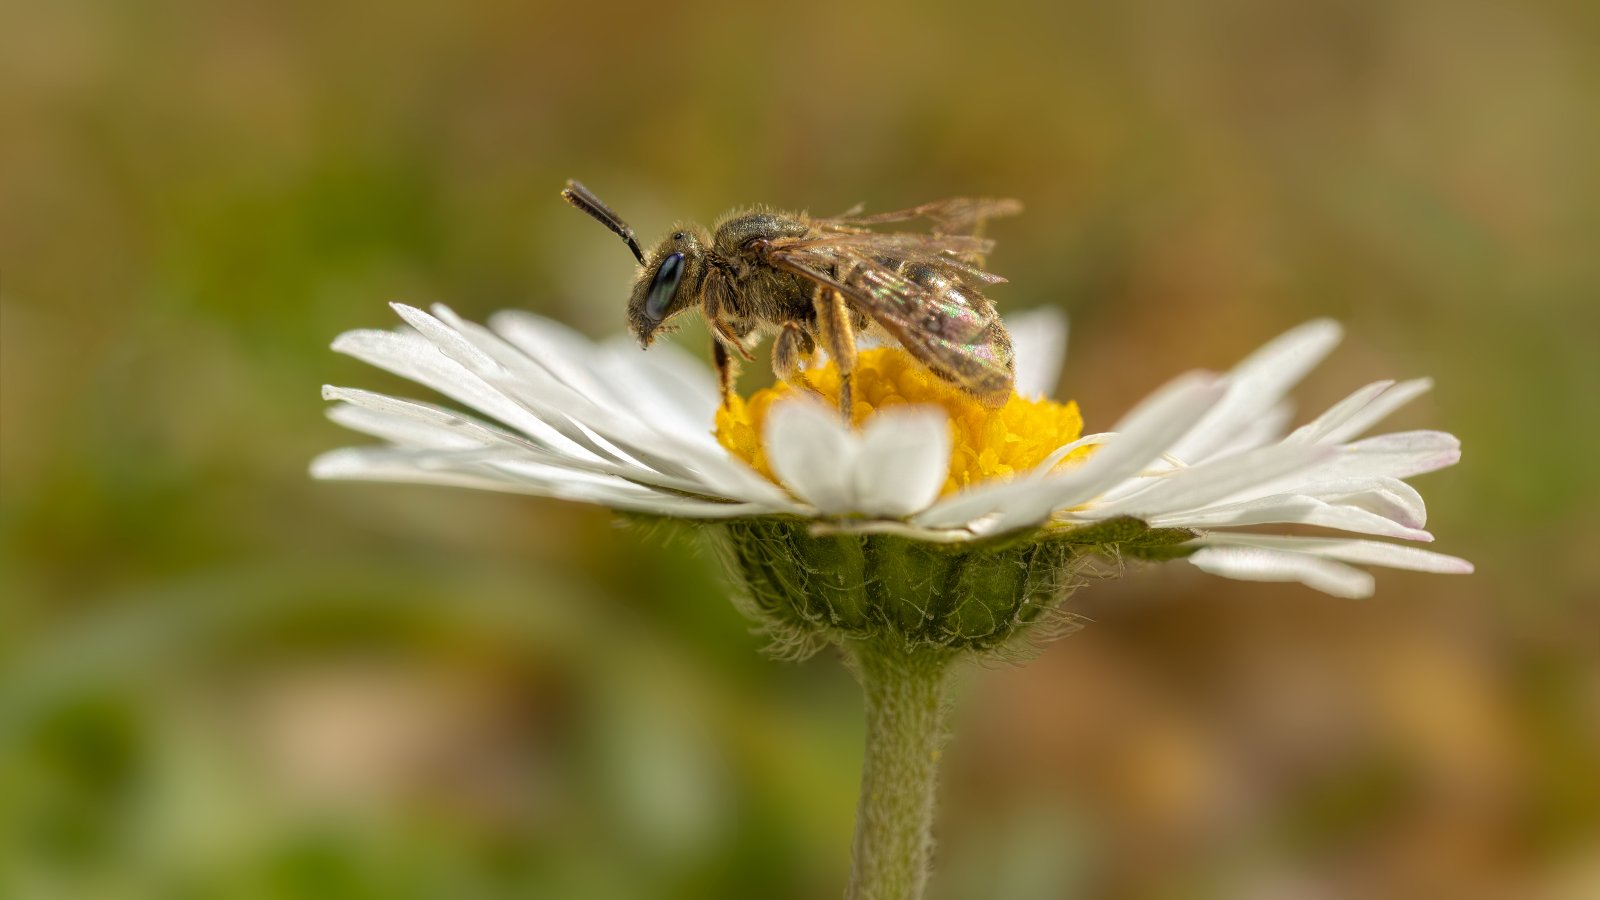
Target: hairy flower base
985	443
808	589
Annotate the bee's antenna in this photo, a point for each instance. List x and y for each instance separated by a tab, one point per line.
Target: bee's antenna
584	199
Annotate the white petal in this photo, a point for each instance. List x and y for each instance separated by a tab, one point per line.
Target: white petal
1267	428
384	464
1197	486
528	381
813	452
399	430
1361	410
409	423
575	417
1380	408
893	468
580	418
1142	437
665	384
1291	509
451	343
1376	461
1341	412
1372	553
984	498
663	387
897	528
1388	497
1039	337
975	502
411	356
537	404
561	351
904	458
1401	454
1262	564
970	504
1257	384
1144	433
474	471
623	397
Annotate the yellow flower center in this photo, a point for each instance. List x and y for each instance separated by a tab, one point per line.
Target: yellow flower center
985	443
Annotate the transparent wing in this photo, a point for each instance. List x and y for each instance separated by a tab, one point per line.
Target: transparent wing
957	215
953	252
923	296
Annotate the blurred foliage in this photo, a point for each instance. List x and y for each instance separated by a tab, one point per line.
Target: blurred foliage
222	680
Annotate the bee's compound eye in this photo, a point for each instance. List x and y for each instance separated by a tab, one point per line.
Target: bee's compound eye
664	288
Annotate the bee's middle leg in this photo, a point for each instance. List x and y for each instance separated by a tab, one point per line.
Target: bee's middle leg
833	321
790	351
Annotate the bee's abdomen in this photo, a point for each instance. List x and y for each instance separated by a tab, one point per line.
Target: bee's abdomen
954	331
953	313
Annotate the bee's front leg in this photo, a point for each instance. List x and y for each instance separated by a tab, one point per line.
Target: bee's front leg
727	369
791	350
839	335
725	341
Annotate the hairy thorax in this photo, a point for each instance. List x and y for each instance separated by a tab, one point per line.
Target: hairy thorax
742	288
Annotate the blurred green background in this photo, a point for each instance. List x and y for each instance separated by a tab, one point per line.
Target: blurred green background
223	680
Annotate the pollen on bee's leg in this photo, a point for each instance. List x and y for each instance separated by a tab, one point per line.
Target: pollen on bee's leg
993	437
792	349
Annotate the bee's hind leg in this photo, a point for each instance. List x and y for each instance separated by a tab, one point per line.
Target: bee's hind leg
839	335
790	351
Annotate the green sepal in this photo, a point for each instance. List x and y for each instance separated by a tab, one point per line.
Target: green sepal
808	589
1125	532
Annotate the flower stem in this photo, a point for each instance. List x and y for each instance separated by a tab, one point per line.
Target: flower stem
905	730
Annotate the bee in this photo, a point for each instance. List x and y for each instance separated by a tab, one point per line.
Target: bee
824	282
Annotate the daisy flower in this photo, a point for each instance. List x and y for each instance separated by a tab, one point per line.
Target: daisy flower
930	528
1207	457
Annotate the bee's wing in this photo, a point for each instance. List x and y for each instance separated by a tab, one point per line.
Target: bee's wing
957	215
925	298
948	253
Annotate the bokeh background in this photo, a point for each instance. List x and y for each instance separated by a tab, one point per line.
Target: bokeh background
224	680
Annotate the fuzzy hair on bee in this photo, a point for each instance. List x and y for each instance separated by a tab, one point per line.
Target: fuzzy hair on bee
825	282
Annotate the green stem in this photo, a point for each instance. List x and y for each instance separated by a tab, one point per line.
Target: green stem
905	731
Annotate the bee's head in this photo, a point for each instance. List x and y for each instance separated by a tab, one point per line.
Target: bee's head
669	282
669	278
